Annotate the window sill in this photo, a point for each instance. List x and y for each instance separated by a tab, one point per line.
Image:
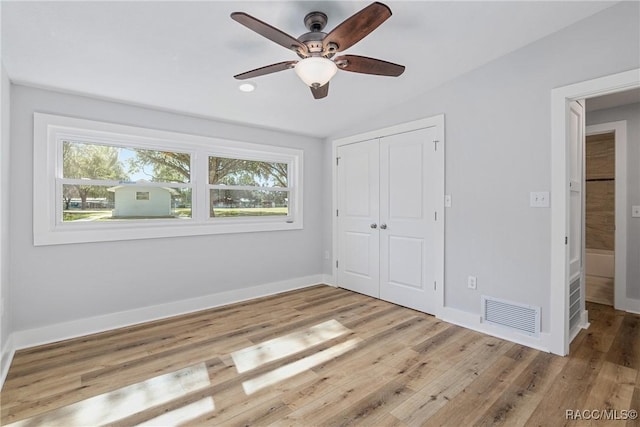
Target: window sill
158	229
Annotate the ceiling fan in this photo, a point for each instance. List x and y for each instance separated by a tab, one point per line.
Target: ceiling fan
317	48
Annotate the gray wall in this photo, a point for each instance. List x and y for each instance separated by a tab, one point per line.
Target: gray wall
52	284
5	320
497	124
630	113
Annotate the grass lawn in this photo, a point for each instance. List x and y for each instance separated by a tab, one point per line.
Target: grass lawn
230	212
72	215
76	215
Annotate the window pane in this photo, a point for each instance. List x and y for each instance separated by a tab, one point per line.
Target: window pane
92	161
225	171
234	203
124	202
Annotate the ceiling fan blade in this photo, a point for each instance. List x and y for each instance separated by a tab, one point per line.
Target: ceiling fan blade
320	92
357	27
366	65
273	68
272	33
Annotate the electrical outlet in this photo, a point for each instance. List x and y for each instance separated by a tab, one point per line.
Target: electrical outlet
447	201
635	211
472	282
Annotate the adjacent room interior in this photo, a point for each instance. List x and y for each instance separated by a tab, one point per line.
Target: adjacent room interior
441	228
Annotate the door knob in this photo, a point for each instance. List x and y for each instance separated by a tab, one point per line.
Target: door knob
383	226
374	225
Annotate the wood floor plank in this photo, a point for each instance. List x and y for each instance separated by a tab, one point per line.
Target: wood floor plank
444	384
624	351
332	401
373	407
516	404
123	353
489	385
635	405
265	414
614	386
320	356
604	327
265	306
308	320
575	382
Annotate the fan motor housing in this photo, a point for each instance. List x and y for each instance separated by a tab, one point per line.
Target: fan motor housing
315	21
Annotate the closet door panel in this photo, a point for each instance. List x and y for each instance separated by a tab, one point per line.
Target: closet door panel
358	193
407	208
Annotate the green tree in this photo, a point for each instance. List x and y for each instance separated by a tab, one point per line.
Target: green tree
87	161
176	167
163	166
247	172
166	166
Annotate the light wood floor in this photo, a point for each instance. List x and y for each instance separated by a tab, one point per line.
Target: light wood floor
321	356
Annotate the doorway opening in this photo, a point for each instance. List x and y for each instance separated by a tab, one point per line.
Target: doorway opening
607	252
564	214
600	224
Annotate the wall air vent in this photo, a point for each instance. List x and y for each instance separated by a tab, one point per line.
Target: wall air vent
519	317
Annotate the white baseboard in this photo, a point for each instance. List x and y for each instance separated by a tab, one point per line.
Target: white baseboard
472	321
327	279
90	325
632	305
5	359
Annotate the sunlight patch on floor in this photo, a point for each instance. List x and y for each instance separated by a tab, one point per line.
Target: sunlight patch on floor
280	374
252	357
150	395
126	401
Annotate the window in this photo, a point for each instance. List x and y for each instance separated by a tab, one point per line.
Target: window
97	181
239	187
100	181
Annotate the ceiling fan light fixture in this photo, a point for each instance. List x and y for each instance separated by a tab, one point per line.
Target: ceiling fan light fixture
316	71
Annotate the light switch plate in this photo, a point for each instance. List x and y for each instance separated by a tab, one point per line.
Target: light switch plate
447	200
539	199
635	211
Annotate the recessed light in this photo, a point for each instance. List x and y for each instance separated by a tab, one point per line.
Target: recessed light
247	87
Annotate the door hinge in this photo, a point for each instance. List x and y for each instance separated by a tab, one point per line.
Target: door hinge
337	161
435	216
434	285
566	240
435	144
337	212
336	263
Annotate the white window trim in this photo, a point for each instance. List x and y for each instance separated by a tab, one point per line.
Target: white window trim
48	129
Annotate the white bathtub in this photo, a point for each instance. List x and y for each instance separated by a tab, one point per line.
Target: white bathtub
600	262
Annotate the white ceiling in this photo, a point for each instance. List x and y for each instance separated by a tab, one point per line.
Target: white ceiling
181	55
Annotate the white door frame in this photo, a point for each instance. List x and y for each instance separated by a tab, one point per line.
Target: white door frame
559	277
438	123
620	281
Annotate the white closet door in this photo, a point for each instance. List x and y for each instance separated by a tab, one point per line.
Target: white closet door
358	174
408	198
